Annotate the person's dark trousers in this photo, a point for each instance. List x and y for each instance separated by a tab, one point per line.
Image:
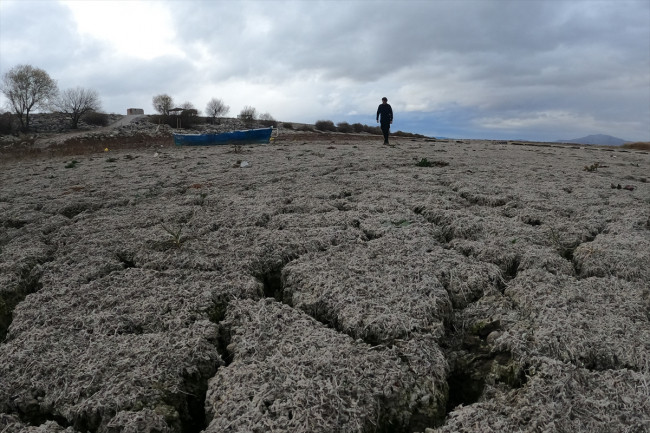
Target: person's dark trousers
385	127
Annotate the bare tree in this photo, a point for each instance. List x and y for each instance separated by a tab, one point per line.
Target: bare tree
248	115
216	108
267	120
76	102
189	107
27	88
189	116
163	103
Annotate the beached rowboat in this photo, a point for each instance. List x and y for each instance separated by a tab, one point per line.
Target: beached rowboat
249	136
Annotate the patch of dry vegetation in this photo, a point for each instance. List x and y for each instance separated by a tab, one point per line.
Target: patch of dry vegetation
639	145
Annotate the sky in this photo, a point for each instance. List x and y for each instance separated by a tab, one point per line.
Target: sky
540	70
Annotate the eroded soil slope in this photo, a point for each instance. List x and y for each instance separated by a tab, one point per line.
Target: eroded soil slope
329	285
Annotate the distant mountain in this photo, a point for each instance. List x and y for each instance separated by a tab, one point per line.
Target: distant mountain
599	139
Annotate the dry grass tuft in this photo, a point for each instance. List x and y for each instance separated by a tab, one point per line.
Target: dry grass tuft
640	145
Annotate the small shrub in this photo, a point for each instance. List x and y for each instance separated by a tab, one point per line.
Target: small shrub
344	127
408	134
424	162
325	125
564	248
267	120
287	125
400	223
199	200
592	167
376	130
306	128
175	234
248	115
72	164
95	118
357	127
643	145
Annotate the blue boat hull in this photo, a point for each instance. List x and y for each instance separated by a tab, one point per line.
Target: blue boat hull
250	136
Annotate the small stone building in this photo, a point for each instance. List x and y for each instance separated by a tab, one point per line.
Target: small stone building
130	111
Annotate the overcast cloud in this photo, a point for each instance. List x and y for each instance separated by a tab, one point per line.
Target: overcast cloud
496	69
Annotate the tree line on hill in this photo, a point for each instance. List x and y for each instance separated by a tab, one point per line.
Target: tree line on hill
28	89
186	115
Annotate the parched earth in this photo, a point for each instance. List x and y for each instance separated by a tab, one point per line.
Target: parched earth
326	283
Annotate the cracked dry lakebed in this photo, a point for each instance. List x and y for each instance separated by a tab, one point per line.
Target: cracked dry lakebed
327	285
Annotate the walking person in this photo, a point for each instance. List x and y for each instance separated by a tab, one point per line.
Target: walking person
385	111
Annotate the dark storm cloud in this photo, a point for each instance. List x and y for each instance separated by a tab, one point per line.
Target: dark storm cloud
43	34
36	33
365	40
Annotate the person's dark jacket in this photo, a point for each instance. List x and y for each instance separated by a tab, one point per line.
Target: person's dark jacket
386	113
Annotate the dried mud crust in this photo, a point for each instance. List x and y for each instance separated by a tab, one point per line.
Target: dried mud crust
288	372
331	284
